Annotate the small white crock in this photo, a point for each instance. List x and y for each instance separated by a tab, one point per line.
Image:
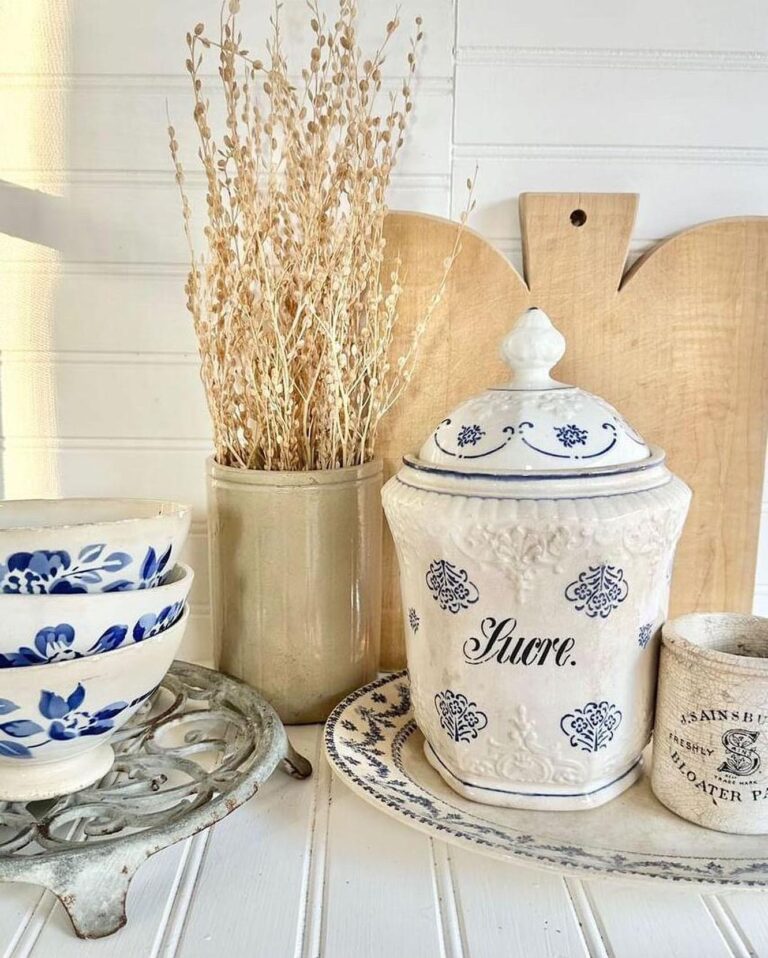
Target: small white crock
56	720
35	629
88	545
535	534
710	742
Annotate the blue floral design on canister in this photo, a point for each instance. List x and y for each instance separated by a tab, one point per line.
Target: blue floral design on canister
460	718
598	591
571	435
644	635
592	727
450	586
470	435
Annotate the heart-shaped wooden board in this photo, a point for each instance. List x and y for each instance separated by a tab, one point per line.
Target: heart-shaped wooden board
678	344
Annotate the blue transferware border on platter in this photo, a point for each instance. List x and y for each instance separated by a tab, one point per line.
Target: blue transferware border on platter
407	799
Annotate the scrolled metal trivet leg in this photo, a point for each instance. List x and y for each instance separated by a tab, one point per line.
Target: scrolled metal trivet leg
94	895
294	764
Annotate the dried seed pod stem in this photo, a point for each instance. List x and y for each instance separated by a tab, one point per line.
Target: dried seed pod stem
294	315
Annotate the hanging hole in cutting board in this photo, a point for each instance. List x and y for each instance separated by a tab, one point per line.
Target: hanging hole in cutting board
578	218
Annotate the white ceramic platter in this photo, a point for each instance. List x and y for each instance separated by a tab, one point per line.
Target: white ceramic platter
373	744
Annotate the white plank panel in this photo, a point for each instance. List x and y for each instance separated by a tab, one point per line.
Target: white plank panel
732	934
452	939
638	920
104	398
120	218
149	902
249	897
113	308
654	24
112	37
674	193
379	898
195	554
136	309
197	644
120	124
17	907
748	913
104	469
506	909
550	103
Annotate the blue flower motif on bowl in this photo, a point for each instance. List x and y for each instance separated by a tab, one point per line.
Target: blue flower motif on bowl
54	643
470	435
592	727
413	619
450	586
460	718
152	567
571	435
598	591
111	638
152	624
36	573
43	571
68	720
61	719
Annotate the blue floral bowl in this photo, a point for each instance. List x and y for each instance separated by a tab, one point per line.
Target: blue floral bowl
88	545
56	720
41	629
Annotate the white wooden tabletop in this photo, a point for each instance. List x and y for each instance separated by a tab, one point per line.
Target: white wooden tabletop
308	869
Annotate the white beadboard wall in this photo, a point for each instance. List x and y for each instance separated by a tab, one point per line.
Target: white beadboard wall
99	392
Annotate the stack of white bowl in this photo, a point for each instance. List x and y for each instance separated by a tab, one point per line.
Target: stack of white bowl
93	607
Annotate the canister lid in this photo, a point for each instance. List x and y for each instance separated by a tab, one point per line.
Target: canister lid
533	423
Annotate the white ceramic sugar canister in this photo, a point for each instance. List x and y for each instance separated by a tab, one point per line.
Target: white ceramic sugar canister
535	532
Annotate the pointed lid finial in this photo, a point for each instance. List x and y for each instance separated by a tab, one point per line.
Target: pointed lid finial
531	349
533	423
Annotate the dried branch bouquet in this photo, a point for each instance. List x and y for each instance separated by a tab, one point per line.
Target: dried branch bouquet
293	311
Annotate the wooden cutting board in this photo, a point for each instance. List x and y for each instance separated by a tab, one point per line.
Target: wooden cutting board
678	343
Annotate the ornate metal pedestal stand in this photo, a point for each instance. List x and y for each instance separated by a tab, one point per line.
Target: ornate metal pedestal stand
202	746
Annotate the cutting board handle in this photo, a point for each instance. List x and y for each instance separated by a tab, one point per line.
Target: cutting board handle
576	242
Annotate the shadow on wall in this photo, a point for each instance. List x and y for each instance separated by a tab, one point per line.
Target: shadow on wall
34	46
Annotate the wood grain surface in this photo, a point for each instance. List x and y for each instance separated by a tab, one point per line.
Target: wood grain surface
678	343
